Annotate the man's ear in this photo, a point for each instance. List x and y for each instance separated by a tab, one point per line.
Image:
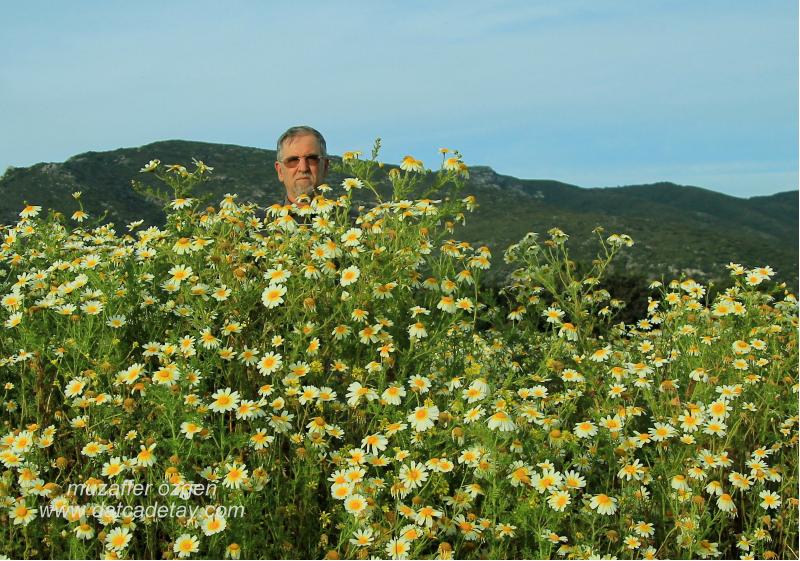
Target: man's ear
325	169
279	171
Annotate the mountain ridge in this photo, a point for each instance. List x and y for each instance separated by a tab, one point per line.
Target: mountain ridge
473	169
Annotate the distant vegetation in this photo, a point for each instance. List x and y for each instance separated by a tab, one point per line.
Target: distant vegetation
678	230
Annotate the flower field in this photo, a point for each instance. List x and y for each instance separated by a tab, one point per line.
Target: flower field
299	382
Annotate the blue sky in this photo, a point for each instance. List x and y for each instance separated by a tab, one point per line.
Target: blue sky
595	93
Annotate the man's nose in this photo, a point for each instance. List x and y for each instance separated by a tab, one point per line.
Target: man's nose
303	165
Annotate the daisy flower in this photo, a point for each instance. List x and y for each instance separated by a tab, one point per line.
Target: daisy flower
425	516
410	163
633	470
725	503
113	467
547	480
679	483
769	499
179	273
719	409
189	429
505	530
715	428
224	400
559	500
553	315
92	307
574	480
476	391
362	537
166	375
355	391
740	480
632	542
447	304
146	457
272	296
84	531
644	529
236	475
662	431
690	421
603	504
340	332
277	275
12	300
423	418
208	339
213	524
269	363
150	166
185	545
30	211
501	421
352	237
375	443
419	384
75	387
398	548
21	515
520	474
248	356
352	183
118	539
585	429
221	293
601	355
261	439
394	428
233	551
349	275
341	488
470	530
355	504
413	475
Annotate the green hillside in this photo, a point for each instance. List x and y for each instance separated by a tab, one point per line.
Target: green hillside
678	229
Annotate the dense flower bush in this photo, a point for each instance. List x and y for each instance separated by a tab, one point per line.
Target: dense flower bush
301	383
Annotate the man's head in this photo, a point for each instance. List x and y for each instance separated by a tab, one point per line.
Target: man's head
302	161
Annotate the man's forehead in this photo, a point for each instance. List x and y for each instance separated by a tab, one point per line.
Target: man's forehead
300	142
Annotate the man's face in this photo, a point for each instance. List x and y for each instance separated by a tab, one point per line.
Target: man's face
302	167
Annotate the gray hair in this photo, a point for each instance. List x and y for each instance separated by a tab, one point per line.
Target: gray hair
302	130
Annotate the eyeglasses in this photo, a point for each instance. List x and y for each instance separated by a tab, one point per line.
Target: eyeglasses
294	161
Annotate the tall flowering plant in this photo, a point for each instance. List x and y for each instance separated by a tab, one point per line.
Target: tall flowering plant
314	380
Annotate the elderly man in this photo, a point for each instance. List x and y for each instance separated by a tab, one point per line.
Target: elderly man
302	162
